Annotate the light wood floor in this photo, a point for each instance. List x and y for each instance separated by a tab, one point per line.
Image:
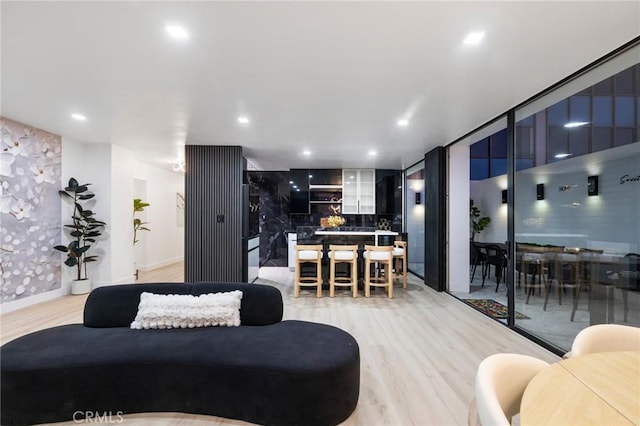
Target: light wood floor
419	351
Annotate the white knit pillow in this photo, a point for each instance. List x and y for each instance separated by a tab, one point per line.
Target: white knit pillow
188	311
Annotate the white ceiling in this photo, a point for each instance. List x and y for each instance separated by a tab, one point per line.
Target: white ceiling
330	77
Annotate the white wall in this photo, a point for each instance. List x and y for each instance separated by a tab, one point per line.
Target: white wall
113	170
164	244
458	217
117	179
460	190
487	196
105	167
609	221
97	161
121	218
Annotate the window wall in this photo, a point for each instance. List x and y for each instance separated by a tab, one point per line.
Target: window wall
571	244
577	212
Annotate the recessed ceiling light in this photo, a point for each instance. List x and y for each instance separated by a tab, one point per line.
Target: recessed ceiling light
310	176
291	182
178	166
78	117
177	32
474	37
576	124
306	152
372	152
243	120
403	122
562	155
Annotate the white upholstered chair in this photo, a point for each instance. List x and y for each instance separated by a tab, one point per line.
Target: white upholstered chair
605	338
500	383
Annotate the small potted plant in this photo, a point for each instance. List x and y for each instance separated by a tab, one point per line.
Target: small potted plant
84	229
138	224
478	222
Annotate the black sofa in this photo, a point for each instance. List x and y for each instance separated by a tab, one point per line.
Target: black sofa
266	371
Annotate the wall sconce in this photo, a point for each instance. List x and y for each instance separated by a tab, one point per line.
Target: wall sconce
504	196
592	185
418	200
540	191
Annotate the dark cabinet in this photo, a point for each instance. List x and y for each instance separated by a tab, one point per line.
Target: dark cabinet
325	177
388	192
315	190
299	191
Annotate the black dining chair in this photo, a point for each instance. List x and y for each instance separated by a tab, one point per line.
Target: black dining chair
477	257
497	257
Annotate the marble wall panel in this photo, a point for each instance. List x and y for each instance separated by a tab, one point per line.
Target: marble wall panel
273	188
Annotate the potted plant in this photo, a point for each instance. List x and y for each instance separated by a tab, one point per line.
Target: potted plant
478	222
84	229
138	224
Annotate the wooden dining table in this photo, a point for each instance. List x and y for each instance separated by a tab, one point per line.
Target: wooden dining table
595	389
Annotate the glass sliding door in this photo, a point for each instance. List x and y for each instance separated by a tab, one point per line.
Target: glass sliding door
577	204
414	221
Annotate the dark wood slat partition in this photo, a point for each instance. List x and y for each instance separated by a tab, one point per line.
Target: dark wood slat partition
435	218
213	213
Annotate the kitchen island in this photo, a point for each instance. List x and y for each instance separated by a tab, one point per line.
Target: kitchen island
344	235
358	233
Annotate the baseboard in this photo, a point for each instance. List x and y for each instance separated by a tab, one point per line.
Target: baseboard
156	265
64	291
32	300
129	279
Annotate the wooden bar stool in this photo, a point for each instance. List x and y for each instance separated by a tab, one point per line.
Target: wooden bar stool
308	254
382	256
400	261
348	255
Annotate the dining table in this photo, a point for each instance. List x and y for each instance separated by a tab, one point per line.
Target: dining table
503	246
594	389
